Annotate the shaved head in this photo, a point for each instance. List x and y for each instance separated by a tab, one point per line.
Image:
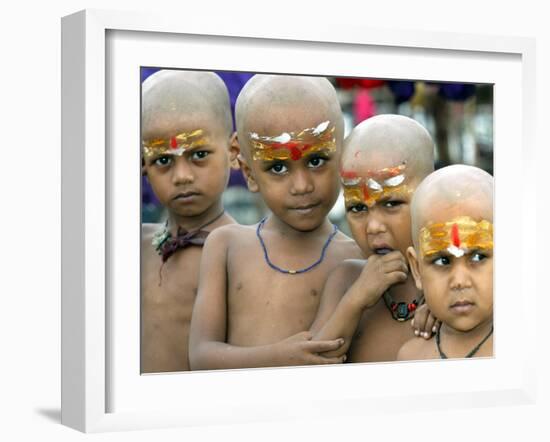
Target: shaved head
452	191
272	104
173	99
386	141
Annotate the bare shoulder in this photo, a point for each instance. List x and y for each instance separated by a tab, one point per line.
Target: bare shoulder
347	247
414	349
229	234
348	270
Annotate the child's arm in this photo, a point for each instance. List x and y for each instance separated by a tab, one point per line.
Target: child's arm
207	340
424	323
341	309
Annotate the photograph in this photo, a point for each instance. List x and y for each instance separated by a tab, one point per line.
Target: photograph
283	224
293	220
274	221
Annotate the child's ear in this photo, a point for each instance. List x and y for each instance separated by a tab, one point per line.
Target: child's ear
247	172
234	150
413	264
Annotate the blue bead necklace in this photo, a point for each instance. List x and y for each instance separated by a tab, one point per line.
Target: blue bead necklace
293	272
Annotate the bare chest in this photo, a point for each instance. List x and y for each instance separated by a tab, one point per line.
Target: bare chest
379	337
167	297
174	283
265	305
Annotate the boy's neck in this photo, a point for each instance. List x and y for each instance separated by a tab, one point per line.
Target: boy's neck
274	223
405	292
190	223
457	343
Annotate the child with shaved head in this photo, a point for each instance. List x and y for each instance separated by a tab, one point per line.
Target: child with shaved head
187	147
452	262
368	302
260	285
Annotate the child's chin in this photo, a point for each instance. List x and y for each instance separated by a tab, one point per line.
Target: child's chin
306	224
465	324
188	211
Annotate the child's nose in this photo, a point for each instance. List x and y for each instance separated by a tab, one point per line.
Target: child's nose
182	172
302	182
460	275
375	223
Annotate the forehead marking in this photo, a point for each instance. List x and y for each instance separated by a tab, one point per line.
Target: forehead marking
293	146
374	185
175	145
455	237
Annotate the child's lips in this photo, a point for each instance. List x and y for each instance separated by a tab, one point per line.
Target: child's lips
462	307
381	249
185	196
305	208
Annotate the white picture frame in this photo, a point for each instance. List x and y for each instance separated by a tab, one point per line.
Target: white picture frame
101	390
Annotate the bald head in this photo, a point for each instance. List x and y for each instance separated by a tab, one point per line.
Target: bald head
273	104
173	99
389	140
449	192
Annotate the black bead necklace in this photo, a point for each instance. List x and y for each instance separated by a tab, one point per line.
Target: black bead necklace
470	354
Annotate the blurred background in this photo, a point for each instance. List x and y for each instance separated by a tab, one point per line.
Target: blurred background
459	116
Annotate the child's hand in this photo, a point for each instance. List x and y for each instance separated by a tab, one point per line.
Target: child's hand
424	323
380	273
300	349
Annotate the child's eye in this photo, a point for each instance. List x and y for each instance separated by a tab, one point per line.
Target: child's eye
478	257
392	204
316	162
358	208
199	155
278	168
441	261
163	161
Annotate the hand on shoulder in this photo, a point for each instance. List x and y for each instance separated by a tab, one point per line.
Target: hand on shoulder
424	323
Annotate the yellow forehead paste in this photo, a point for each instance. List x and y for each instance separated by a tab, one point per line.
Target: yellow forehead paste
456	237
374	185
176	145
292	145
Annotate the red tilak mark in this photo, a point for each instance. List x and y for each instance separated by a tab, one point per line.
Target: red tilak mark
455	239
296	149
295	153
365	192
349	174
173	143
